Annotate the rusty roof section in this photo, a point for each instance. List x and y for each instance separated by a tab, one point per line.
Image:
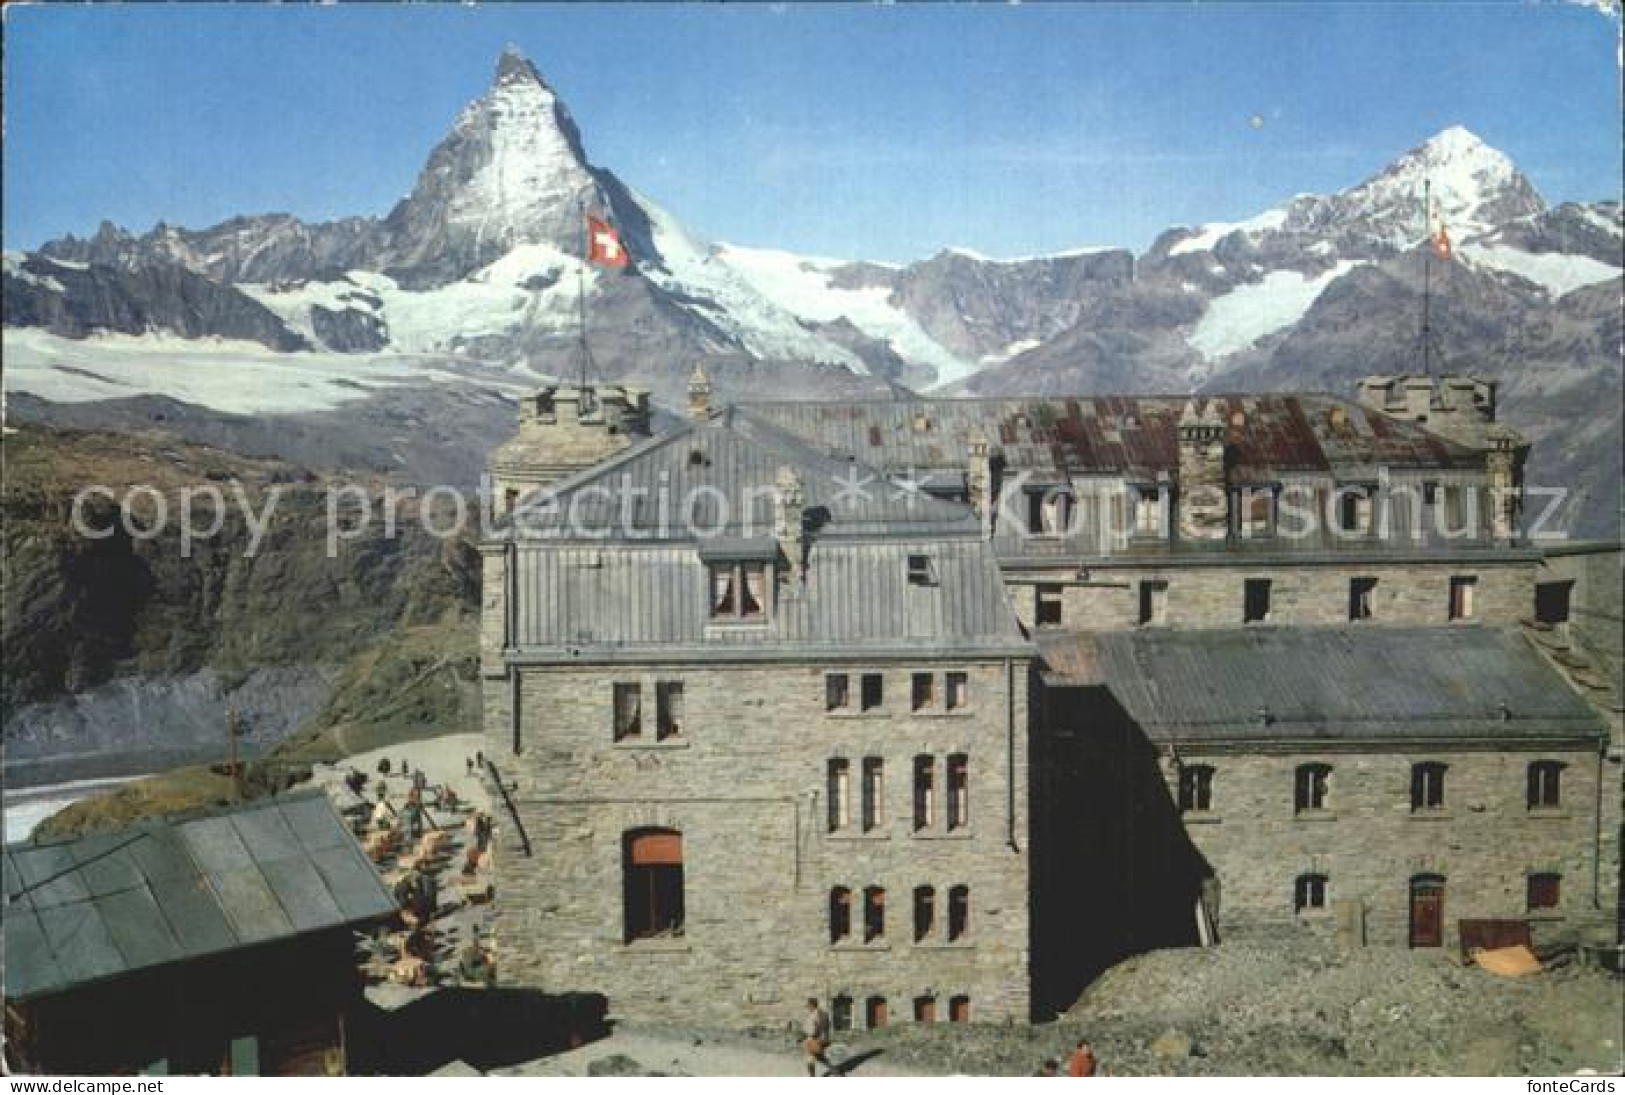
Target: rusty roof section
1134	436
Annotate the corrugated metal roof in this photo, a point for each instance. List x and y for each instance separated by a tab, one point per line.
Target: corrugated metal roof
717	478
1136	436
1325	683
855	594
168	891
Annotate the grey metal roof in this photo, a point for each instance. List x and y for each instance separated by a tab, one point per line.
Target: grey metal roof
718	477
855	594
1352	682
110	903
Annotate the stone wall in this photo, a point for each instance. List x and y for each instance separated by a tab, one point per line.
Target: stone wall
1410	594
1369	843
745	784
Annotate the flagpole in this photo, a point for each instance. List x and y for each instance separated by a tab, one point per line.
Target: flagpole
581	290
1427	277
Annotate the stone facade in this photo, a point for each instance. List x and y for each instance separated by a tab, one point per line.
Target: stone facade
1369	843
1211	594
745	783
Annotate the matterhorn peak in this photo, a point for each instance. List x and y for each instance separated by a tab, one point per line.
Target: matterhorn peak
514	67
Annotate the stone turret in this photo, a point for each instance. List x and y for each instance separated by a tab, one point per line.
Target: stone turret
1461	409
1203	490
699	394
564	429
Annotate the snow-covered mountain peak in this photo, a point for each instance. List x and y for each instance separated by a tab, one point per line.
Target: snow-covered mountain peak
512	171
1474	187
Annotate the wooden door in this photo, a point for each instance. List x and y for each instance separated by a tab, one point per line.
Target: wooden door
1427	911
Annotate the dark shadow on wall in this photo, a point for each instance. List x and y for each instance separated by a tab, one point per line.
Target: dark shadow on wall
1114	873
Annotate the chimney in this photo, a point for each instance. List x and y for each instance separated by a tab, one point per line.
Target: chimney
979	486
1503	466
789	518
699	394
1204	495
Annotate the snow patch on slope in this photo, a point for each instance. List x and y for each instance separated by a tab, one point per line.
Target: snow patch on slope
715	291
1239	318
801	286
1208	236
1556	273
232	376
493	300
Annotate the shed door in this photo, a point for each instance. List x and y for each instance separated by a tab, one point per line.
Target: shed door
1427	911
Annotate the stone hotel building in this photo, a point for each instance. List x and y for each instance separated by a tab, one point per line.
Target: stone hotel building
932	708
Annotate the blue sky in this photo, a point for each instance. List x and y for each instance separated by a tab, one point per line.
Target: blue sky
883	132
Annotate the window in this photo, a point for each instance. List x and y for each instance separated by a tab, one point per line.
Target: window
840	1012
922	691
1545	892
1148	511
1552	600
1153	602
1049	511
628	711
668	709
1354	510
925	793
837	692
958	791
652	868
1310	787
1309	893
873	791
925	913
1427	786
1362	598
1195	788
840	795
840	914
958	913
1255	511
1049	606
738	591
1462	590
874	1012
874	914
925	1009
956	690
1255	601
872	691
1545	785
959	1009
920	571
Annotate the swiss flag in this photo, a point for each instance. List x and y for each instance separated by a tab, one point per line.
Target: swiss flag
604	244
1441	242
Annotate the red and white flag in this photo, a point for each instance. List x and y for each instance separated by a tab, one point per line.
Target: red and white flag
1441	242
604	244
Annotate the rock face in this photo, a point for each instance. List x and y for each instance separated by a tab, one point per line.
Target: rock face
75	300
129	624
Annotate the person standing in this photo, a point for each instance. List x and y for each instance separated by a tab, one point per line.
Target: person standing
1082	1062
815	1037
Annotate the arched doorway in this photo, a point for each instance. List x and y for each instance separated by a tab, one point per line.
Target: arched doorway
652	867
1427	910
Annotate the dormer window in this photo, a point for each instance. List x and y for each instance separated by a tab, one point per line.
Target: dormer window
1049	511
1354	510
921	572
1148	520
739	591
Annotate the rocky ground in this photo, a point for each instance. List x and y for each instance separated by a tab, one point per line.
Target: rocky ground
1298	1010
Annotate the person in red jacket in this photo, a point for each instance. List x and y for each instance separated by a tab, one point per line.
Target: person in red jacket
1082	1061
